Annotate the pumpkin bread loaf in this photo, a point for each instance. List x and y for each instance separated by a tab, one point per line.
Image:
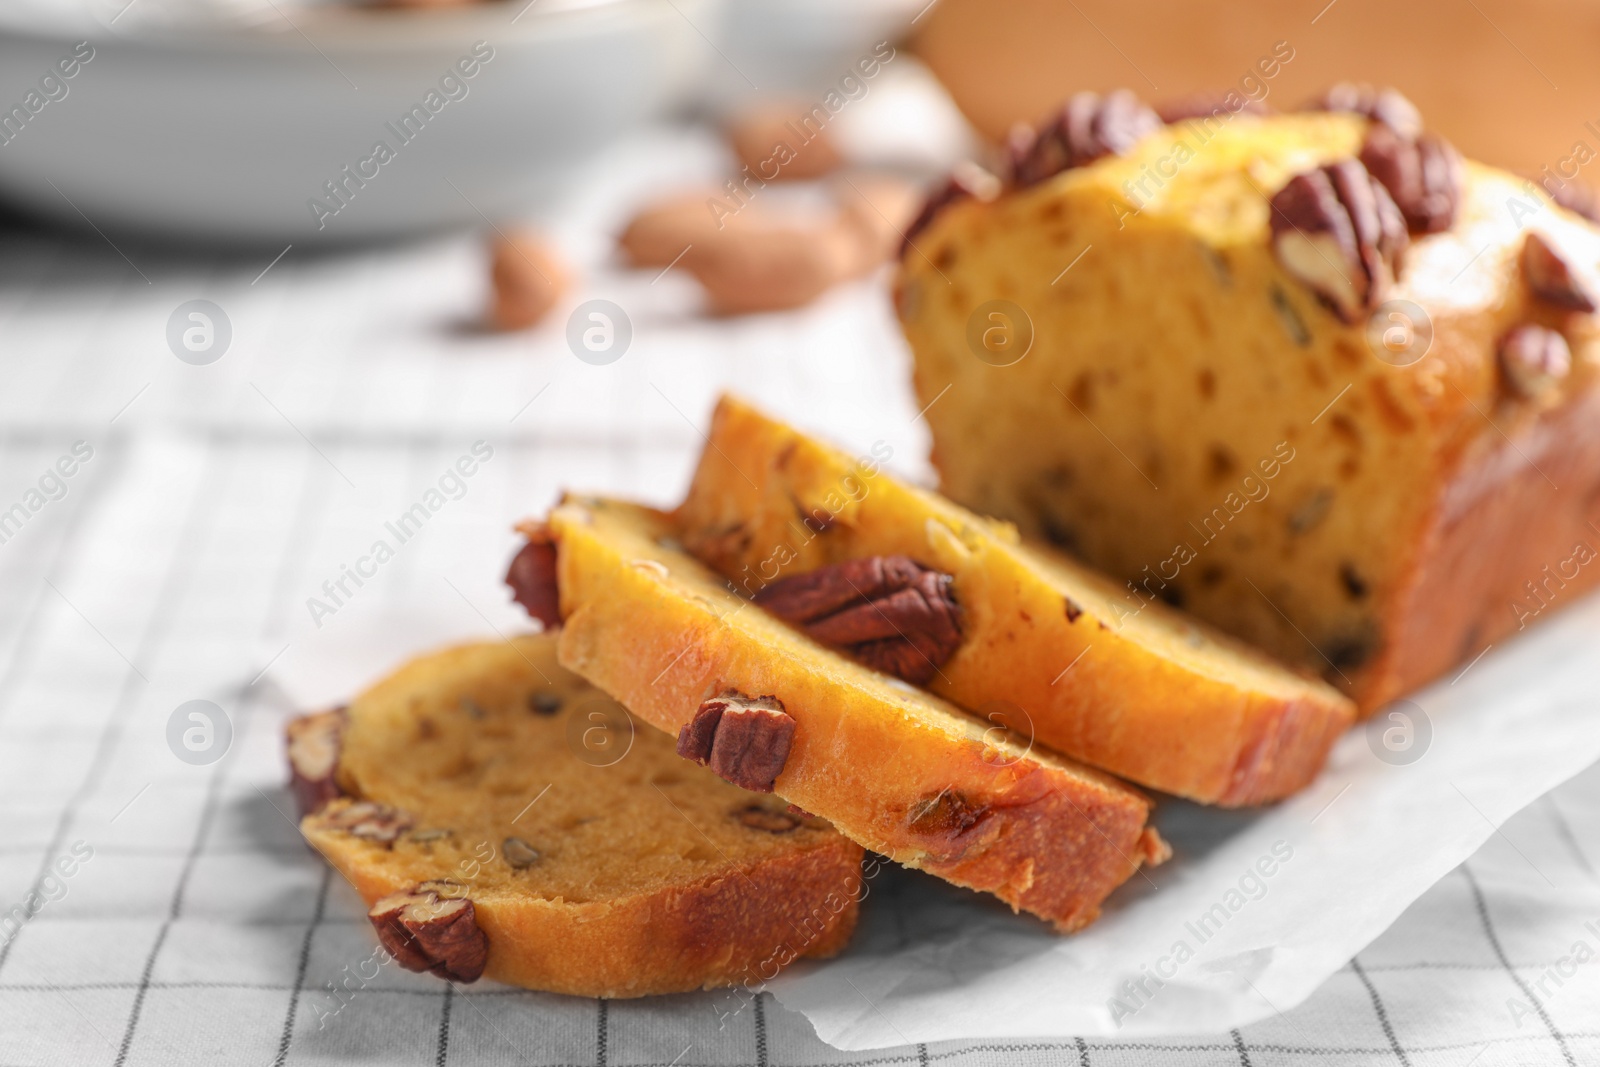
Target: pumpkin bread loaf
503	818
891	766
1310	376
1040	644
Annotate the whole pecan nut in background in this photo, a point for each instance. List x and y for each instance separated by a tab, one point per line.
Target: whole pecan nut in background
1551	278
1534	360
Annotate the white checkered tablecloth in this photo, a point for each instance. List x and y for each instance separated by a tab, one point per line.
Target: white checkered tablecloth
195	927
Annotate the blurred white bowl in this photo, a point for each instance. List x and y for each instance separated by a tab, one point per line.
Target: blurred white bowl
231	133
798	48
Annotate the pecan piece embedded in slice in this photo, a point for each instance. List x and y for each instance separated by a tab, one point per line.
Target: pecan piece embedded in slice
890	612
1534	360
1551	279
313	743
532	578
1338	231
744	740
428	933
370	821
1387	107
1088	127
1424	176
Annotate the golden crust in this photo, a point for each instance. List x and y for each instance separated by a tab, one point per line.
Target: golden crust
895	769
1149	695
645	884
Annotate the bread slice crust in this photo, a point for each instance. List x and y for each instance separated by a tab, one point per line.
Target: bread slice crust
645	883
1047	644
892	767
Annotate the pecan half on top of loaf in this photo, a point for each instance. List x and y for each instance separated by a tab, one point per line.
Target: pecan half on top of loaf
1337	230
1424	175
1088	127
313	743
1578	198
433	934
1387	107
744	740
1550	277
532	577
1534	360
967	181
889	612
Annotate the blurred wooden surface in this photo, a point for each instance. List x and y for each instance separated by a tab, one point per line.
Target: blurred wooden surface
1512	83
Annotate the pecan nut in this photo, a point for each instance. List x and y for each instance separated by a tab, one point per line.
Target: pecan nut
1386	107
313	742
532	578
744	740
1424	175
967	181
890	612
1551	279
1337	230
370	821
430	934
1578	198
1089	127
1204	105
1534	360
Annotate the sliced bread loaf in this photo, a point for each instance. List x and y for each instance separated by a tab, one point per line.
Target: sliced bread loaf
1041	642
892	767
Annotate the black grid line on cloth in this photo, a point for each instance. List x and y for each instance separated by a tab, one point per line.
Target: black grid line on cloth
246	716
1083	1052
922	1055
442	1054
1382	1012
1239	1045
600	1033
207	814
759	1017
1500	954
154	632
301	967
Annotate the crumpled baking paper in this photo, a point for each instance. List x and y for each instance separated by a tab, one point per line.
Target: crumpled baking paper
1253	912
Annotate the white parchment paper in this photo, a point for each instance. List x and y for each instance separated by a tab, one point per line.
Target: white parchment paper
1254	911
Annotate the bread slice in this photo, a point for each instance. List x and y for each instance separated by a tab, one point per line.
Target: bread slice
1146	694
593	860
1378	500
892	767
